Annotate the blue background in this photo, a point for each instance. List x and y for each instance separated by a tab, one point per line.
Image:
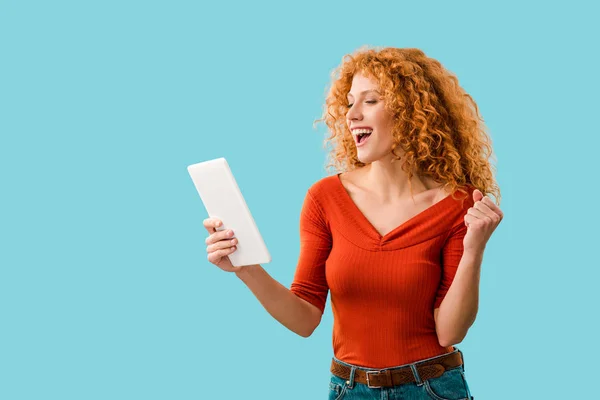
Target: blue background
105	290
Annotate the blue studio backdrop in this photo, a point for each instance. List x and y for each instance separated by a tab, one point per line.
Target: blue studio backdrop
105	289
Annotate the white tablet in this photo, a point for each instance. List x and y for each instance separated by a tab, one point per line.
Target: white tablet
223	199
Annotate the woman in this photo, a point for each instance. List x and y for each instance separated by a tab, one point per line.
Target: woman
397	237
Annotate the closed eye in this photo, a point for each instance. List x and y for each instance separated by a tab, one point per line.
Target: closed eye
369	101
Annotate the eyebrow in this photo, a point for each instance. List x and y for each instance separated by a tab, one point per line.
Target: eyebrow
366	91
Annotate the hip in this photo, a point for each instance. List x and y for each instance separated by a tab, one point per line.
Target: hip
439	378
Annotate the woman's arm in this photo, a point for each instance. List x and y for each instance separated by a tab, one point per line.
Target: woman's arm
459	308
291	311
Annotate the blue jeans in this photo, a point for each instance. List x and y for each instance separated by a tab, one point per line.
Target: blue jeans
451	385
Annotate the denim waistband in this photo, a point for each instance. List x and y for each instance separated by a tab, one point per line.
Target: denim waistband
411	365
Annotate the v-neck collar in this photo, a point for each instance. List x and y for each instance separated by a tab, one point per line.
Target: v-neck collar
409	223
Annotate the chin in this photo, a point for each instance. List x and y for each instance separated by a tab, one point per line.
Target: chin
363	159
368	158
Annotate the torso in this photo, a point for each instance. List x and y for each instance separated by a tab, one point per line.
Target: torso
386	217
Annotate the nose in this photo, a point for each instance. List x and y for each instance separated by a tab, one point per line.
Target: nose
354	113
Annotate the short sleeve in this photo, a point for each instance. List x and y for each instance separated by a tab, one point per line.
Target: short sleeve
309	282
451	255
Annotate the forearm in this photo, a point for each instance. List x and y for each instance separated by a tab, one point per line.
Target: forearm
458	310
290	310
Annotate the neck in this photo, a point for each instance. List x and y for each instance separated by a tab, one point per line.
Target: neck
389	183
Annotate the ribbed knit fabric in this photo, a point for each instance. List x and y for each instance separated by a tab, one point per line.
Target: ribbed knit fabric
383	288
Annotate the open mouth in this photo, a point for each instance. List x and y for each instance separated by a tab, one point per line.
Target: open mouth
362	137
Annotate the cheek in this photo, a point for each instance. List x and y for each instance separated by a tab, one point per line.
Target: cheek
383	117
385	121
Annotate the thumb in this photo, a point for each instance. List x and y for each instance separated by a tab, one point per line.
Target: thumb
477	195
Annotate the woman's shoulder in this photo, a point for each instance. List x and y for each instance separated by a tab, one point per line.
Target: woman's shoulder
324	184
325	191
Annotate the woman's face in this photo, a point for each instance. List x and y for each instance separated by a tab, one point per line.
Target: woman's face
367	113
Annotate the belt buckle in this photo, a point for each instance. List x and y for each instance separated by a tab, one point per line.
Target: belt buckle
369	382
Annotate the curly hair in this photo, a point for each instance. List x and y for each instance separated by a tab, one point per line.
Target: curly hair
436	123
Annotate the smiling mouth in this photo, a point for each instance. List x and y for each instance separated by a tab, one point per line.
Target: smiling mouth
362	138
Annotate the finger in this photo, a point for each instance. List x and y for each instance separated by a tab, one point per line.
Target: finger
222	244
477	195
478	214
481	206
492	206
210	224
469	219
218	236
216	256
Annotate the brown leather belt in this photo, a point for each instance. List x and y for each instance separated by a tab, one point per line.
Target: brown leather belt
398	376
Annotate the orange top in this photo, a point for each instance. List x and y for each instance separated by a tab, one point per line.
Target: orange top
383	288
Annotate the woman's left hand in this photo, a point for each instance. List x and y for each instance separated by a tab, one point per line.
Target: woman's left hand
481	221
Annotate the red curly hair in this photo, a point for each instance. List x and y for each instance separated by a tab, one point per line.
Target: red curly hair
436	123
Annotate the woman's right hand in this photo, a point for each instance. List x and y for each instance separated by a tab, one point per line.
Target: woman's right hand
220	244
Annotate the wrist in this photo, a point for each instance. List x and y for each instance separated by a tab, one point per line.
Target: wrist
245	271
473	254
